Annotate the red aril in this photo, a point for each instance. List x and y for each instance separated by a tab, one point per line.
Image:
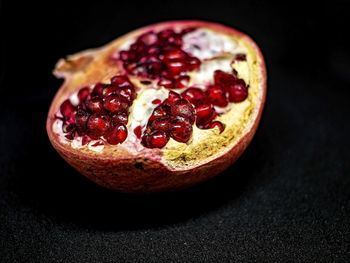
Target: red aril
67	109
83	93
120	117
184	109
205	114
161	123
118	134
237	92
98	125
98	89
155	139
195	95
166	83
217	96
181	82
159	111
114	103
94	104
180	129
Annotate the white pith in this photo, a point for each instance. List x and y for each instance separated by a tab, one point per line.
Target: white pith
216	53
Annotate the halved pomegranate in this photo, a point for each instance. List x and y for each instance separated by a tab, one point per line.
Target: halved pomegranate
162	108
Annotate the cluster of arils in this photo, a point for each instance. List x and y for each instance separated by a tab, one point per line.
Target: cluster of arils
159	56
101	112
174	118
226	88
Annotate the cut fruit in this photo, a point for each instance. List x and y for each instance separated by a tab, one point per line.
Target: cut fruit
162	108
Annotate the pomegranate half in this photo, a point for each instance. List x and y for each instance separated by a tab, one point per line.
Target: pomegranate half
161	108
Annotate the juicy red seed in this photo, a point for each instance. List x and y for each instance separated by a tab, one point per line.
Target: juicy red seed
175	67
180	129
174	55
217	124
98	125
67	109
148	38
205	114
98	89
161	123
138	47
165	34
217	96
121	117
156	101
237	92
114	103
154	68
124	55
223	79
127	93
83	94
81	119
159	111
181	82
194	95
193	63
166	83
109	90
118	134
156	139
94	104
137	131
173	97
184	109
121	81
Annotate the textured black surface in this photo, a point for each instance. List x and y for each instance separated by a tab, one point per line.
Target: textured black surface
286	199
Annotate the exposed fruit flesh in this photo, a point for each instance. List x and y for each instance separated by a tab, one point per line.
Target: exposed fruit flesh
102	112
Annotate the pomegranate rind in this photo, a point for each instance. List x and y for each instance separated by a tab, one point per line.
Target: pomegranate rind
151	170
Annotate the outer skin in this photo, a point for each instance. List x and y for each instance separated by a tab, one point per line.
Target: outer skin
141	174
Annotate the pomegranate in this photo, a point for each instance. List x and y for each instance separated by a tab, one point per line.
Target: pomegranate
162	108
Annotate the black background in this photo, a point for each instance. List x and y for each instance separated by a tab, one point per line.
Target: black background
286	199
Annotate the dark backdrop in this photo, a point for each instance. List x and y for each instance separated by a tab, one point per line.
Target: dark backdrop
286	199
